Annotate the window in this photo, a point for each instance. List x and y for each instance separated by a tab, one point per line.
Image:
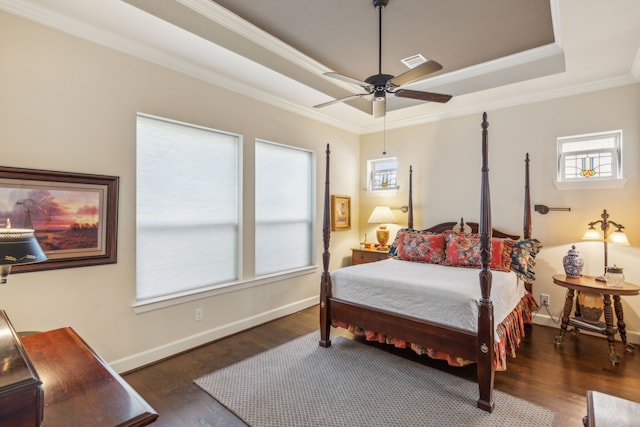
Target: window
383	174
187	207
285	195
590	157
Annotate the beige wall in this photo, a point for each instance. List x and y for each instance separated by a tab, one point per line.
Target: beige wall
70	105
446	159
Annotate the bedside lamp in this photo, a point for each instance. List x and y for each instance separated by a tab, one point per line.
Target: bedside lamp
618	237
18	246
382	215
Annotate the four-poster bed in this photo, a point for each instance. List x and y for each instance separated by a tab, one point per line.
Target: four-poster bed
468	340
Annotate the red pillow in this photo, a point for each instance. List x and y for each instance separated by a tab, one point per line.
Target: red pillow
421	246
463	250
501	254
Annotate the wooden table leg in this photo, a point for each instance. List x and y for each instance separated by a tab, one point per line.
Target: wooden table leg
611	338
622	327
568	303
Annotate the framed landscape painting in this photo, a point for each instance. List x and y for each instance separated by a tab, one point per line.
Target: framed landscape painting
74	215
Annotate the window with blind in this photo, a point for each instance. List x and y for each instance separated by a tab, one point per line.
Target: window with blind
285	195
187	207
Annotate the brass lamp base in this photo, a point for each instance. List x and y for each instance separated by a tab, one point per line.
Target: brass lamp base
382	234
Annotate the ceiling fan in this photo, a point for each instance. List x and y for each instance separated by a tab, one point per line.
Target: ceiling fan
380	84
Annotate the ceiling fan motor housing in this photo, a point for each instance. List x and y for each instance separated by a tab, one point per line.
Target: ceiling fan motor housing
379	84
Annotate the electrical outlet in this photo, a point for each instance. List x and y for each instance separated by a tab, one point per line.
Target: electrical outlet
199	315
544	299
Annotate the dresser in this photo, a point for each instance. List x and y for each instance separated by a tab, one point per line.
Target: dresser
21	399
363	256
80	388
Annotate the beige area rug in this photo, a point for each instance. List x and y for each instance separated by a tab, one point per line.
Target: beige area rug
354	384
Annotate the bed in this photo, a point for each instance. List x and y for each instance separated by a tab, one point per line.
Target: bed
379	299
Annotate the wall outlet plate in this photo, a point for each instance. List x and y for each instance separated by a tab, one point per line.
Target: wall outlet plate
544	299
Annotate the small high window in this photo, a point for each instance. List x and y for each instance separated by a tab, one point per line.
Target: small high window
383	174
596	156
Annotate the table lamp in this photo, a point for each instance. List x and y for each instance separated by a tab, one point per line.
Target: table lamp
18	246
382	215
617	237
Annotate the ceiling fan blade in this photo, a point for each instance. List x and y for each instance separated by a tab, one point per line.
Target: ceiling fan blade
423	96
379	107
366	86
417	73
335	101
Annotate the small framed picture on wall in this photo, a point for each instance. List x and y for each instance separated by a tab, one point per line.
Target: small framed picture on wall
340	213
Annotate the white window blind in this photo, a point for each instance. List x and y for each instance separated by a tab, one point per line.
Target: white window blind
285	194
187	207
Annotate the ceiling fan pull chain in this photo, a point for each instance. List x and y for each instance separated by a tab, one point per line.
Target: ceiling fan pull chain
384	136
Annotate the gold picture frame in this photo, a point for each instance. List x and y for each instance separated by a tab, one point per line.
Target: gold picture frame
340	213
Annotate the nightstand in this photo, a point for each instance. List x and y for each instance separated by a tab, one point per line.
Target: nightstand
363	256
590	284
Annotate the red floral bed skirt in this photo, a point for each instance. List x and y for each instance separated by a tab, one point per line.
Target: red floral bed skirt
510	331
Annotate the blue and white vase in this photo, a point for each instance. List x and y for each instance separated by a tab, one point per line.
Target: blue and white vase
573	263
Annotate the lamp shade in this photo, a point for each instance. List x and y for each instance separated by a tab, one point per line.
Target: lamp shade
618	238
382	215
18	246
592	234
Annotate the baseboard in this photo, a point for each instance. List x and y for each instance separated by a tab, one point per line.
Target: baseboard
162	352
546	320
158	353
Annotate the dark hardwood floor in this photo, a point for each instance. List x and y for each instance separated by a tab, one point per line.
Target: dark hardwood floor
554	377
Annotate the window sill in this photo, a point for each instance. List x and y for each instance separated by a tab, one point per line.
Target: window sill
600	184
381	193
197	294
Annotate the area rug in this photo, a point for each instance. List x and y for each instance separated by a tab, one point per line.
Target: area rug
354	384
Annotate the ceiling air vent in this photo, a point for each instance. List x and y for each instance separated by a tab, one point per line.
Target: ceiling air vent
414	60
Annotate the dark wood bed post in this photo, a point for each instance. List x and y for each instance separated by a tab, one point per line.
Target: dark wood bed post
485	366
410	217
527	201
325	281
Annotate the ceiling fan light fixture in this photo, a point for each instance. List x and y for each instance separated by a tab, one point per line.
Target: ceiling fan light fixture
379	107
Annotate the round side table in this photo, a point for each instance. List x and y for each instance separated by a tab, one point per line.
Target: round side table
590	284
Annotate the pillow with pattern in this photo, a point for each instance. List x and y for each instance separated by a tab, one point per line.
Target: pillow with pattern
523	258
421	246
393	249
463	250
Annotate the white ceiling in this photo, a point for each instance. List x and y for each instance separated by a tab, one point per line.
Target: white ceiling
495	53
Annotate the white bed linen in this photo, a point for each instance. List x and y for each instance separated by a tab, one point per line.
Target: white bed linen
446	295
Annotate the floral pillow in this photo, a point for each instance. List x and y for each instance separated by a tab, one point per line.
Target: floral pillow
393	249
463	250
421	246
523	258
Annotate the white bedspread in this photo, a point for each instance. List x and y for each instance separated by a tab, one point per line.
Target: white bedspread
446	295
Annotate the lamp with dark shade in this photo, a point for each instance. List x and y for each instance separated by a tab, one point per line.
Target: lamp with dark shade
618	237
18	246
382	215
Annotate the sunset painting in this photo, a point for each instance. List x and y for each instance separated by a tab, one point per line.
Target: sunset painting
63	219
